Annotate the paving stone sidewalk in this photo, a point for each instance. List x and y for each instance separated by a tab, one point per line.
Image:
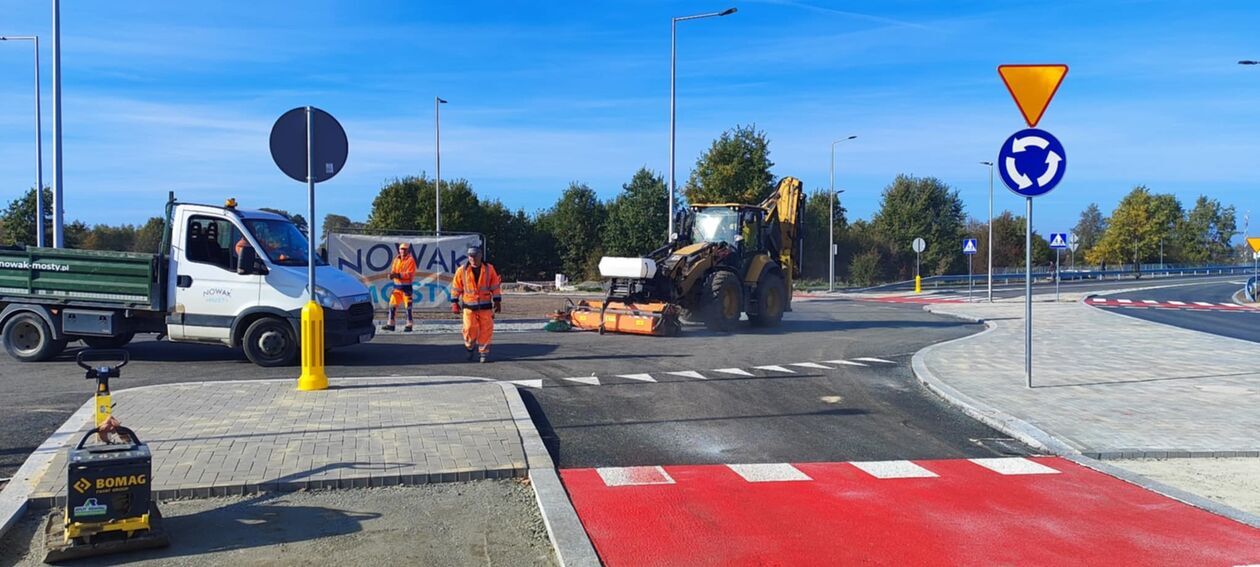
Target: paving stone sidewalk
1108	385
225	438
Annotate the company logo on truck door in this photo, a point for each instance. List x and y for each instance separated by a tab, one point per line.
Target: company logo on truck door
25	265
217	295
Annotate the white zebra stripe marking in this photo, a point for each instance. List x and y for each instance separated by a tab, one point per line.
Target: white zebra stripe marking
634	476
775	368
872	359
1124	301
528	383
1097	300
639	377
689	374
1205	304
735	371
770	472
1176	302
590	380
1013	466
810	365
1150	302
894	469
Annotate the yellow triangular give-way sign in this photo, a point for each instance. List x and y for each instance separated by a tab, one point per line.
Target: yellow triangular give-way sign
1254	241
1032	87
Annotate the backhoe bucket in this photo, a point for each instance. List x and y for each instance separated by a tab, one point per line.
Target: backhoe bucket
655	318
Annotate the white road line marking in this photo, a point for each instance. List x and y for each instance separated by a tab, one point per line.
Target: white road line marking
735	371
527	383
1097	300
689	374
1150	302
1205	304
1013	466
775	368
1124	301
894	469
770	472
592	380
870	359
844	362
1176	302
810	365
634	476
639	377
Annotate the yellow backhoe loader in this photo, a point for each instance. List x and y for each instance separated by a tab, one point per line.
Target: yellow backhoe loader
726	260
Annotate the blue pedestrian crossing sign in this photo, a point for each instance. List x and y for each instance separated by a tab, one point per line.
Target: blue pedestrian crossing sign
969	246
1031	162
1058	240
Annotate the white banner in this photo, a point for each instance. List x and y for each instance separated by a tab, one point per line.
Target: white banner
368	258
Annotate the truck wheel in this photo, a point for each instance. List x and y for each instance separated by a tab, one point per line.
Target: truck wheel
116	341
771	301
724	301
270	342
28	338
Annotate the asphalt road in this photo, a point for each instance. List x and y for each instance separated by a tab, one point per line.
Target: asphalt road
836	413
1236	324
1006	291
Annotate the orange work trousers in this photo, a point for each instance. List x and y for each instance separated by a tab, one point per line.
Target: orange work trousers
478	329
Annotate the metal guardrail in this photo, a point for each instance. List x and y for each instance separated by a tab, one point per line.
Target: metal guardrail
1072	275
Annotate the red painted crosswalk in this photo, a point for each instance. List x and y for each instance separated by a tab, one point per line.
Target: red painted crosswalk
1036	511
1169	304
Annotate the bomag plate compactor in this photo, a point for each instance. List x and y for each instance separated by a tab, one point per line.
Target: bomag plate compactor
727	260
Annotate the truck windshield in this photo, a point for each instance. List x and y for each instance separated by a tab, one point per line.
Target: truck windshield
282	242
716	225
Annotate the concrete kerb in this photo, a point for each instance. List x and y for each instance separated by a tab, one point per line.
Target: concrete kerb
568	538
15	498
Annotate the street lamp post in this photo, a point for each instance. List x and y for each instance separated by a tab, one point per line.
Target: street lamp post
831	219
57	205
673	123
39	143
437	175
990	246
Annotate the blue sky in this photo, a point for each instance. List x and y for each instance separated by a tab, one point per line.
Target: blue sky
181	95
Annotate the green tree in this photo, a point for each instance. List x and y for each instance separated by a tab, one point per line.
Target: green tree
1089	229
75	235
815	223
575	222
17	221
408	204
1137	226
1205	232
921	207
106	237
149	236
637	218
334	223
735	169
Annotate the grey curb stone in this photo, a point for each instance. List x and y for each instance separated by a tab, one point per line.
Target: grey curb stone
569	539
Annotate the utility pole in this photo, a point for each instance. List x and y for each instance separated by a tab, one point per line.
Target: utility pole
831	220
437	176
57	204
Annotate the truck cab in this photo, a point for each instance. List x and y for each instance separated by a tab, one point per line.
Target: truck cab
238	277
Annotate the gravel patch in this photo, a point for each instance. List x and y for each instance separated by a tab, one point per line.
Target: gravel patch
1231	481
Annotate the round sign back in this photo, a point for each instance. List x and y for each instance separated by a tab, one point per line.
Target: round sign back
329	146
918	245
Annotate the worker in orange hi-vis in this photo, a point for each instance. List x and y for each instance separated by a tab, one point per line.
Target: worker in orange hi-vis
402	273
475	293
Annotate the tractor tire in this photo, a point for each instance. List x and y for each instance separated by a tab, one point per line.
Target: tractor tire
771	301
723	301
270	342
117	341
28	338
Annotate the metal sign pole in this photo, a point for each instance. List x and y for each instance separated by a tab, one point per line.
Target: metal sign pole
310	205
1028	294
969	282
1058	257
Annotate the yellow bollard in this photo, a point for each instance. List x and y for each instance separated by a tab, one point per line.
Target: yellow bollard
918	286
313	377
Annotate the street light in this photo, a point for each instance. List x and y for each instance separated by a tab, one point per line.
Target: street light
990	246
58	207
39	143
1248	62
831	219
673	65
437	176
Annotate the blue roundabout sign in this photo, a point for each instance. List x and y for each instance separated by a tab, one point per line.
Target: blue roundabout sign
1031	162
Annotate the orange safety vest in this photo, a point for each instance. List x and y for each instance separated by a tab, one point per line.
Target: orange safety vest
405	267
474	294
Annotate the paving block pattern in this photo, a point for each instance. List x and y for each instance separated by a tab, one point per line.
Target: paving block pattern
211	439
1109	385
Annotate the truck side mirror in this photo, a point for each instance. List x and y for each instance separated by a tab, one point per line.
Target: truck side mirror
247	263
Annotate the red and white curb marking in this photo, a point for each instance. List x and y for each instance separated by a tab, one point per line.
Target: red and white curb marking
988	511
1169	304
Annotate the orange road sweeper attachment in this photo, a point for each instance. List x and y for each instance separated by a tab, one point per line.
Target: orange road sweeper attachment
650	318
